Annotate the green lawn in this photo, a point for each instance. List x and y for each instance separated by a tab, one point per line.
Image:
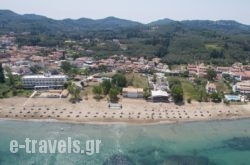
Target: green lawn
188	88
137	80
222	87
6	92
213	47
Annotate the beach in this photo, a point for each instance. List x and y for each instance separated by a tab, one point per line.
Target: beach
135	111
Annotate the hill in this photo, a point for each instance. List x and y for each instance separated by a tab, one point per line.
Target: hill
220	42
10	21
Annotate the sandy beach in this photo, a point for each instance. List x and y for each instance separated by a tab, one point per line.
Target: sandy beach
133	111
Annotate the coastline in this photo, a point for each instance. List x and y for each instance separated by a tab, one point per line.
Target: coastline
121	122
134	112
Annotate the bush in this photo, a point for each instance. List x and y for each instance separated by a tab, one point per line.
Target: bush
226	102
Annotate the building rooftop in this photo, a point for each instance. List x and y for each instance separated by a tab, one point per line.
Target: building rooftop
132	89
211	85
44	76
159	93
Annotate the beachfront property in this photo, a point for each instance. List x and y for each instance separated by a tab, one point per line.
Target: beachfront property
132	92
45	81
159	96
242	87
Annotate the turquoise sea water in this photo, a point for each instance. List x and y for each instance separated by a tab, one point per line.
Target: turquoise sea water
197	143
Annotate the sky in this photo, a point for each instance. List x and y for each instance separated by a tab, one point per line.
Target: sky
143	11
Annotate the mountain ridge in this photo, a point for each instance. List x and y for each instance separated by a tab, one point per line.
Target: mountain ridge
111	21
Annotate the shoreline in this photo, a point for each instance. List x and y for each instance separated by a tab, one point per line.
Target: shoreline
133	123
133	112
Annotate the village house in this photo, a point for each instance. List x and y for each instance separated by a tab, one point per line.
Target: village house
210	87
242	87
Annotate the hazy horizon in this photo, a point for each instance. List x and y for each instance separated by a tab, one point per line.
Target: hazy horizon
139	11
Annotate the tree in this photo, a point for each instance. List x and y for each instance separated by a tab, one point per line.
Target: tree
35	69
185	73
146	93
189	100
154	78
173	82
202	94
82	84
75	91
161	52
211	74
113	92
215	96
66	67
66	84
217	54
86	72
106	85
119	80
97	90
177	93
2	78
11	79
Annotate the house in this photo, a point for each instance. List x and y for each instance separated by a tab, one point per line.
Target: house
220	69
199	70
242	75
132	92
242	87
210	87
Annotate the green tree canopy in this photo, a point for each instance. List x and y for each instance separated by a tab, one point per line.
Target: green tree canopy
75	91
113	92
154	78
97	90
146	93
119	80
202	94
106	85
66	67
177	93
2	79
216	97
211	74
11	78
174	81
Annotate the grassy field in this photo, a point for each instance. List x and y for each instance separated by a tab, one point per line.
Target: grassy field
222	87
188	88
137	80
213	47
88	89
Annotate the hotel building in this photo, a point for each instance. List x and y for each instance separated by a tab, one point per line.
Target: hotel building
45	81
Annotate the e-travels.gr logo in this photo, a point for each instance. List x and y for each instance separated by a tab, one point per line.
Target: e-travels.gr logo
56	146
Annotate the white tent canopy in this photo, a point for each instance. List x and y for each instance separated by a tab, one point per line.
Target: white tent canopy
159	93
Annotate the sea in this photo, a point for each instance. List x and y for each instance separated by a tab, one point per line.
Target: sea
225	142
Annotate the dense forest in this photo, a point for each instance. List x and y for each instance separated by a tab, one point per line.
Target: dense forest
175	42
